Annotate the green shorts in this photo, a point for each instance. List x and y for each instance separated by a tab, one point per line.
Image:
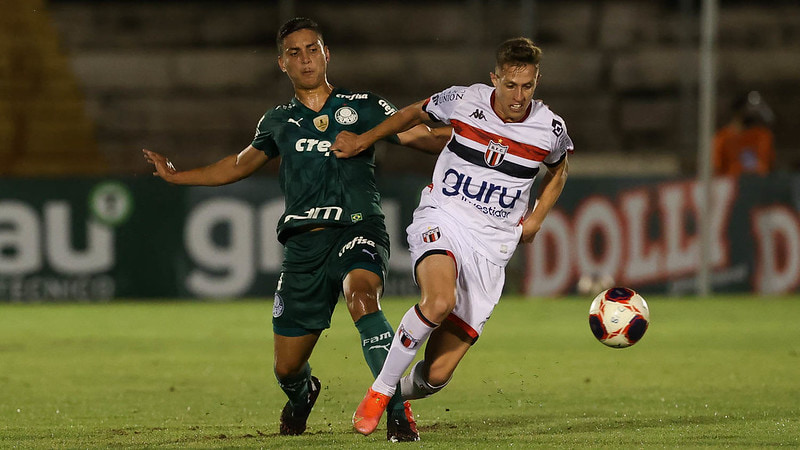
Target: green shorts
314	265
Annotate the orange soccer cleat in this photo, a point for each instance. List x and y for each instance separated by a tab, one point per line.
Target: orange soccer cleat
369	412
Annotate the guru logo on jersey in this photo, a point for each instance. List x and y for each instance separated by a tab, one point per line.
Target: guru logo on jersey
456	183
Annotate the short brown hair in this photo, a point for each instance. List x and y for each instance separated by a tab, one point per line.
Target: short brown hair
518	51
296	24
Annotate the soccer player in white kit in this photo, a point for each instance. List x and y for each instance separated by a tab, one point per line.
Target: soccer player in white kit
470	218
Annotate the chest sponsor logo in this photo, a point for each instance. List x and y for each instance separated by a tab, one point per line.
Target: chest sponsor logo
321	122
346	115
309	145
495	153
456	183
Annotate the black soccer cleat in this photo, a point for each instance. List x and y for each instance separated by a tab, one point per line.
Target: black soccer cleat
402	427
293	421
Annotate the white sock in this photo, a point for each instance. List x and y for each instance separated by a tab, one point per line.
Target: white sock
412	333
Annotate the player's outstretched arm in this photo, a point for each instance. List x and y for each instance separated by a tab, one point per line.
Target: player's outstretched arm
348	144
552	185
227	170
426	139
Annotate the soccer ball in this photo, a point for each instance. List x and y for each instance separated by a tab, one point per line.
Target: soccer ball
619	317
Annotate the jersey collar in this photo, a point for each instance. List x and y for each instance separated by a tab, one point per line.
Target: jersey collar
298	104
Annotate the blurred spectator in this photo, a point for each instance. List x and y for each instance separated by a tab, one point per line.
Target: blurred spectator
745	144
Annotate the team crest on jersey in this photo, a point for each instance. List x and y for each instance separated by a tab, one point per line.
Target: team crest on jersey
346	115
321	122
277	307
431	235
495	153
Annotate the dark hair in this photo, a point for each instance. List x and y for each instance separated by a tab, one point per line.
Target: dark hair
753	110
296	24
518	51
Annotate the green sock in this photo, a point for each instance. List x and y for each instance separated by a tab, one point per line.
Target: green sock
296	386
376	338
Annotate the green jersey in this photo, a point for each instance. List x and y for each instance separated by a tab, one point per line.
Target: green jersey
320	189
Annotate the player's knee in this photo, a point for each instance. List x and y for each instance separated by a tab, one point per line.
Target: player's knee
360	303
417	385
288	369
361	294
438	306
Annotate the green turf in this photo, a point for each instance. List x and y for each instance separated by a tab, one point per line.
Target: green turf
722	372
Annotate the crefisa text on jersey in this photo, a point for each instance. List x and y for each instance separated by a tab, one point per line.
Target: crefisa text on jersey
353	96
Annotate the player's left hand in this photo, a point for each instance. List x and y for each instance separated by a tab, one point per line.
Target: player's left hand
162	165
345	145
529	231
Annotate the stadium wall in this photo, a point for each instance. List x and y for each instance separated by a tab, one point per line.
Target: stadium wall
102	239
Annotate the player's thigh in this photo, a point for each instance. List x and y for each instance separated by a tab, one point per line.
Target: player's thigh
436	275
359	262
306	295
304	302
292	352
446	347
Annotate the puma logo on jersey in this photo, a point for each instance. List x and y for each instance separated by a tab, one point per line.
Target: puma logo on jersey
296	122
373	255
385	347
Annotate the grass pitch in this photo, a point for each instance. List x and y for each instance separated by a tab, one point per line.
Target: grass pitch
723	372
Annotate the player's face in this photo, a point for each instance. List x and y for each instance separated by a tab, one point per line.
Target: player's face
304	59
514	86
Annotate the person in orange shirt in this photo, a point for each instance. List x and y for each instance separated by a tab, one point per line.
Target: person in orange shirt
745	144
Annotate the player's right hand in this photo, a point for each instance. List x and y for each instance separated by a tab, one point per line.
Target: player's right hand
345	145
163	166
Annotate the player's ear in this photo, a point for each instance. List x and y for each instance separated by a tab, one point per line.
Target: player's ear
494	78
327	54
281	64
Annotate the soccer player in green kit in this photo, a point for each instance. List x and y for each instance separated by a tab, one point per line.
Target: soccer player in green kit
332	229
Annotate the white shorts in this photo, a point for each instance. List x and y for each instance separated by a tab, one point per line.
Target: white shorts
479	282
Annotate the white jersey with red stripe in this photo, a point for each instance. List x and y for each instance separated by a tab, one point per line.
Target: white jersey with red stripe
483	177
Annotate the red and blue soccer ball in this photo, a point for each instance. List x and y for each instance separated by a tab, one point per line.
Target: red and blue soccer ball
619	317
